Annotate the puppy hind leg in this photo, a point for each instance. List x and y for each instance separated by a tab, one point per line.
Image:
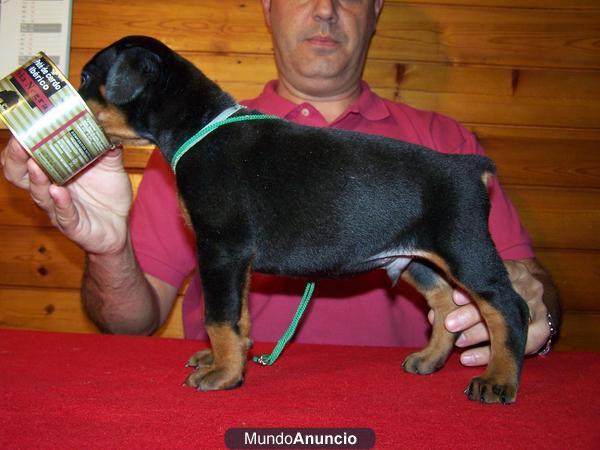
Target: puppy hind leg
506	315
227	324
438	294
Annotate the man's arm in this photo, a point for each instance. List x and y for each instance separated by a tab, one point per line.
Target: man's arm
535	285
120	298
549	293
92	210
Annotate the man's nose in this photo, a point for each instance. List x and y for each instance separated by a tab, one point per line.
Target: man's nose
326	11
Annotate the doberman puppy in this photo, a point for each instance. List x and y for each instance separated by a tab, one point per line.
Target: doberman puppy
276	197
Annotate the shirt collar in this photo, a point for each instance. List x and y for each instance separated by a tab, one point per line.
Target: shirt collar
369	105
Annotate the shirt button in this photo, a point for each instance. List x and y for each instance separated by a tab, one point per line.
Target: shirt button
305	112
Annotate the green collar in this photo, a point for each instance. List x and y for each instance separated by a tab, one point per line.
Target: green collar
222	119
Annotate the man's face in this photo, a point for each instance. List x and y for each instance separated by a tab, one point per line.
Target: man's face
321	40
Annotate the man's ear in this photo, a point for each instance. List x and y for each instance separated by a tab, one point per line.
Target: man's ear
378	6
266	4
134	69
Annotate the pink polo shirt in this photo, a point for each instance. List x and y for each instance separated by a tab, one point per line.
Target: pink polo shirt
363	310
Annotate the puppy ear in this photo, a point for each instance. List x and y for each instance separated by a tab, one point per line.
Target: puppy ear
134	69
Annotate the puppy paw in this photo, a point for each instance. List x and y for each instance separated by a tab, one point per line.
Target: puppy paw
214	378
422	363
203	358
491	391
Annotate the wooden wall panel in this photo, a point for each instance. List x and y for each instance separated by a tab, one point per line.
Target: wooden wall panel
508	110
485	35
516	37
579	332
60	309
524	77
502	96
559	218
560	162
577	275
43	309
39	257
214	26
576	5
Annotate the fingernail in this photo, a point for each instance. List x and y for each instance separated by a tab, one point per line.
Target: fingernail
462	339
451	324
468	359
454	322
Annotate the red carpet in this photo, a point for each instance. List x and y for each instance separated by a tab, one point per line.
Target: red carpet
73	391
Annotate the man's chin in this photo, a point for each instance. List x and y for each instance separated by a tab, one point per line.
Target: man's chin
320	86
324	69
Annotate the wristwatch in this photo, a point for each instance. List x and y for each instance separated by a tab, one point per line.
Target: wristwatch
548	345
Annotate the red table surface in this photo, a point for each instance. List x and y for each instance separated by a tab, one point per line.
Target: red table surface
74	391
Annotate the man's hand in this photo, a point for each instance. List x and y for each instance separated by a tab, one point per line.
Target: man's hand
467	320
90	210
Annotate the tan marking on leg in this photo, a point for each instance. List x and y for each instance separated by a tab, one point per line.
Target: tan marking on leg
438	261
227	346
502	364
434	355
222	367
203	358
499	382
228	360
244	324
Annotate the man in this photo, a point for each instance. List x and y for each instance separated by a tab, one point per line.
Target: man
133	272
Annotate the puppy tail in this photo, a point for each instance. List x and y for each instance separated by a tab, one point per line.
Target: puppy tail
485	166
486	177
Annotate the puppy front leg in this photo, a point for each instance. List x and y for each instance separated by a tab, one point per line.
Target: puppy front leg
227	323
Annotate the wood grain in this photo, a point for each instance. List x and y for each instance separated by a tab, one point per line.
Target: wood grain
576	274
60	310
559	218
579	332
509	37
39	257
582	5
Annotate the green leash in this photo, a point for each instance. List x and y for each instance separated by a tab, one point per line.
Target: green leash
267	360
223	119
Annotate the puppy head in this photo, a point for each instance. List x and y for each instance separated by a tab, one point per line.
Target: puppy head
118	81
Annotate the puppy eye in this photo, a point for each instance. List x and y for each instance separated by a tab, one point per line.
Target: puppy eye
84	77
